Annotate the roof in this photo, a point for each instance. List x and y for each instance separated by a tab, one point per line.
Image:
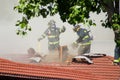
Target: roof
102	69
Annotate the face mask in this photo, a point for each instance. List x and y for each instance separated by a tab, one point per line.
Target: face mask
53	26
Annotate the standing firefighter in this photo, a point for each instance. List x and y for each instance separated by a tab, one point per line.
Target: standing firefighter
83	41
117	47
53	34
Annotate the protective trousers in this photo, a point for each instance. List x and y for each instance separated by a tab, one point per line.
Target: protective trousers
117	54
53	47
52	56
84	49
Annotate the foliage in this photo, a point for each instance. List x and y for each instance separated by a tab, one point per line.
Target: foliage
71	11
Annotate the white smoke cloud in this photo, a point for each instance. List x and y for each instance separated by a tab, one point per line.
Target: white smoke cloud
12	43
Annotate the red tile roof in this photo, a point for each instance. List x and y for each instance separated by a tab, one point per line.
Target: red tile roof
102	69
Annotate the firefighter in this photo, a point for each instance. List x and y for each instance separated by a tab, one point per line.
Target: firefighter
117	47
53	34
84	40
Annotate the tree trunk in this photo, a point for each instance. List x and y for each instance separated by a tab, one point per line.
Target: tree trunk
109	6
119	7
116	4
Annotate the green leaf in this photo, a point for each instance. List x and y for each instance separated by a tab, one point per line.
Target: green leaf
90	22
71	11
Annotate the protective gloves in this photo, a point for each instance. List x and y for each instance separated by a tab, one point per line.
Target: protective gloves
74	45
63	29
39	39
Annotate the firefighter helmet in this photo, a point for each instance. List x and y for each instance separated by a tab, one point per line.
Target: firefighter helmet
51	22
76	28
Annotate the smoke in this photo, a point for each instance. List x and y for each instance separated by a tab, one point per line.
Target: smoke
12	43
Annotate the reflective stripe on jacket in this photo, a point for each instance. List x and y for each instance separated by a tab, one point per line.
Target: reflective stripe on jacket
53	35
54	43
87	43
116	61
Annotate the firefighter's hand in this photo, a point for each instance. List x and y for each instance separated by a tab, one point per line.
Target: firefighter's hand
74	45
39	39
63	29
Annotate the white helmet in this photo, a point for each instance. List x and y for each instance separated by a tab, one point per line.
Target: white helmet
51	22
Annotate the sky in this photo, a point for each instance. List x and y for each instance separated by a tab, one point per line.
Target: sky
11	43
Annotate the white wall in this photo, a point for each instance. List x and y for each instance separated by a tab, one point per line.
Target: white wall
12	43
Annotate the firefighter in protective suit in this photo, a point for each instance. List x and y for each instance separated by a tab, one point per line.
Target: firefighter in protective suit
117	48
53	34
84	40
